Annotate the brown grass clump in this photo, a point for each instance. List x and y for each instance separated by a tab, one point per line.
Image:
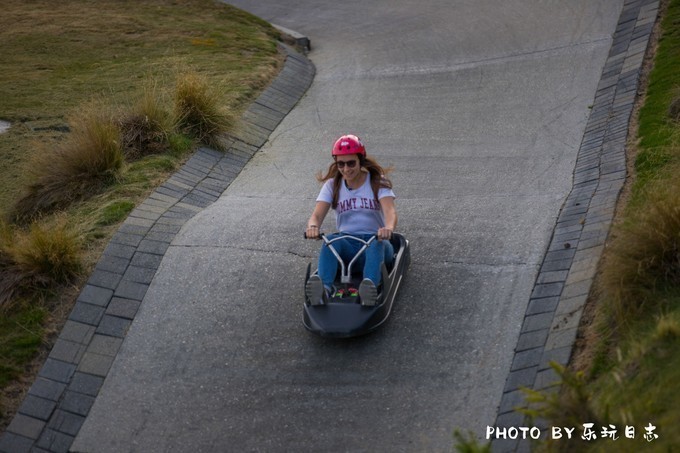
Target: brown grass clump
645	253
141	136
89	160
198	110
145	128
41	257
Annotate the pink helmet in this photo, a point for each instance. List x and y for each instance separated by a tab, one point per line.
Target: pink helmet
348	144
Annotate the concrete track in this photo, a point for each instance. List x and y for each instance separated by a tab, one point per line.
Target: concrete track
480	106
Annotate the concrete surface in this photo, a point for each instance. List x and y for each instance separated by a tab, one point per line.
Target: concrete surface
481	107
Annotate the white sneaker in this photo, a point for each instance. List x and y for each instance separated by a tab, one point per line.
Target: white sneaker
368	292
315	291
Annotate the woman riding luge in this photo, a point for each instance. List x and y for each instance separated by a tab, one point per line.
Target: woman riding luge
357	189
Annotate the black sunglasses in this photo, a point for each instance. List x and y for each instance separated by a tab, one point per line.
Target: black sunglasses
350	164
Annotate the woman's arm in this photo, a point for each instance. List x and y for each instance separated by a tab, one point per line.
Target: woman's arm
315	221
390	212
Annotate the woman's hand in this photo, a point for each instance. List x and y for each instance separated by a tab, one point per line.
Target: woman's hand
384	233
312	232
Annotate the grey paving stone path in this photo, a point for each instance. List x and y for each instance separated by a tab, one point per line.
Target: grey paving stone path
566	276
58	402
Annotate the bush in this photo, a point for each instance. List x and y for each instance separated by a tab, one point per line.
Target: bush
468	443
36	259
146	127
89	160
571	406
198	111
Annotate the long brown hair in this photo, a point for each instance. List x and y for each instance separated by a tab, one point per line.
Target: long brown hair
377	173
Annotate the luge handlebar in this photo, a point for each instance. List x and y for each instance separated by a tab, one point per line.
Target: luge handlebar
346	271
323	237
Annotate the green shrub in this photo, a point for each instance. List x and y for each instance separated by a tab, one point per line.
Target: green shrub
468	443
570	407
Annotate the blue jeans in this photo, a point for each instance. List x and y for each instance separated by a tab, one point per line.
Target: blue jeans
371	260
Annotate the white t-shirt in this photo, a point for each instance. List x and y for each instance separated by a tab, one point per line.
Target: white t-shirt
358	211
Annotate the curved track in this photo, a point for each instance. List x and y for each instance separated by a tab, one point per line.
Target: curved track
481	107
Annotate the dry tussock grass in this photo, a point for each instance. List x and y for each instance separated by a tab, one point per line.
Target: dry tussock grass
644	255
44	255
90	159
146	126
198	110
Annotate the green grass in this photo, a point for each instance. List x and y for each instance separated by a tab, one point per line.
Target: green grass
657	131
22	343
21	340
125	58
115	211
